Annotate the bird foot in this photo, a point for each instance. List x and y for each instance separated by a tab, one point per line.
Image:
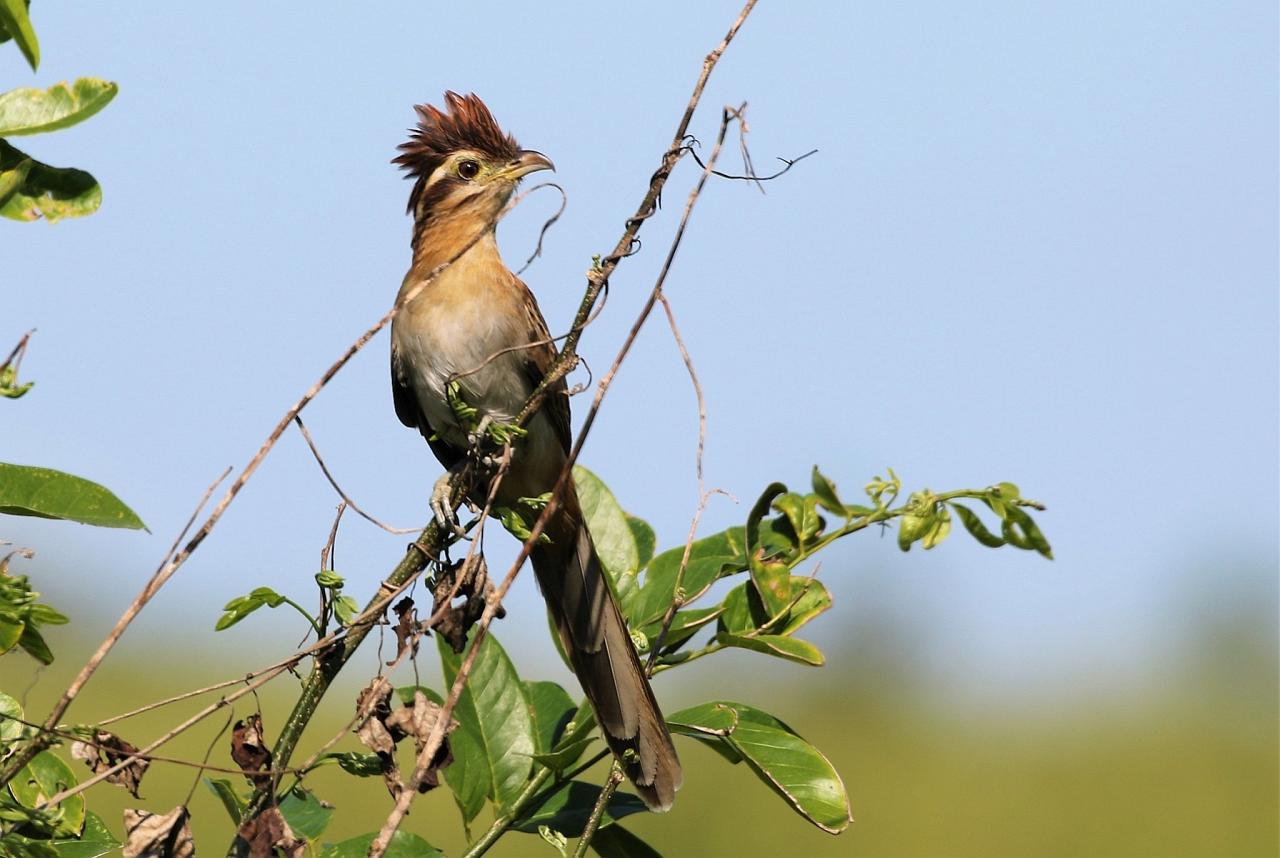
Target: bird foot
441	495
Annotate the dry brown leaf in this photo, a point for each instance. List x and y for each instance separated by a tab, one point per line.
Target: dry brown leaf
473	587
107	750
418	721
268	831
249	750
406	628
150	835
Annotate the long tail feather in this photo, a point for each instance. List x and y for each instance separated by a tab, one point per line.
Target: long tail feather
599	648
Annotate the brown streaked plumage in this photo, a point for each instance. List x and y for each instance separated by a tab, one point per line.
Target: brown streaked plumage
478	325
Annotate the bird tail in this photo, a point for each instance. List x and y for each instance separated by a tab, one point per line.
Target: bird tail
599	648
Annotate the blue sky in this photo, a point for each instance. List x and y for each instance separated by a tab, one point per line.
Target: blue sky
1038	244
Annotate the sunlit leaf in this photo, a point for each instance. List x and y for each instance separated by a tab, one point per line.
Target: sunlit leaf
646	539
15	23
11	181
938	530
49	192
684	625
790	766
27	110
46	493
913	526
611	532
42	778
494	707
792	649
772	580
744	613
825	490
709	557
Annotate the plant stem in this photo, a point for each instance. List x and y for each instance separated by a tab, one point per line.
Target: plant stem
597	812
506	820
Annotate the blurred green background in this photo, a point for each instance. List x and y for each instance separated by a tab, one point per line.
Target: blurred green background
1183	763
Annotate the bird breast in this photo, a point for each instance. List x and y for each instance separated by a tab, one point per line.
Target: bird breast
457	328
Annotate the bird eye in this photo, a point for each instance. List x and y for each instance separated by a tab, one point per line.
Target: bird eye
468	169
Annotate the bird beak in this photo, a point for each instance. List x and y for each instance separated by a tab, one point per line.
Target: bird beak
527	161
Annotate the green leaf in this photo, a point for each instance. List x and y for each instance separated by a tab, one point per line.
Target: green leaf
49	192
345	609
43	777
939	529
684	625
611	532
743	612
825	491
494	707
242	606
95	840
565	754
554	839
792	649
552	709
11	181
913	526
645	538
27	110
231	800
709	558
616	842
10	633
355	763
46	493
976	528
14	21
1020	529
772	580
34	644
10	729
790	766
567	809
402	845
306	814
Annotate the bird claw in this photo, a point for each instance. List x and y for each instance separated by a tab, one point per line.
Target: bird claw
441	494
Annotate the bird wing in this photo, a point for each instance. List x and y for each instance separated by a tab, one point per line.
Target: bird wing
537	361
412	415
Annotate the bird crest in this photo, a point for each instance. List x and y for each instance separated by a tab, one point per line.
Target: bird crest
465	123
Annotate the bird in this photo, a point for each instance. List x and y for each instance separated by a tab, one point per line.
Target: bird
474	338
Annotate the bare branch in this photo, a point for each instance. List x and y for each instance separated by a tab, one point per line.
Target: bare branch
346	498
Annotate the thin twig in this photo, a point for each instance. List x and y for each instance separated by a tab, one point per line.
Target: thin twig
346	498
750	176
204	762
597	812
537	250
677	596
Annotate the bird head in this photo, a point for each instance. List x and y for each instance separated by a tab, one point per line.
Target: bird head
462	163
